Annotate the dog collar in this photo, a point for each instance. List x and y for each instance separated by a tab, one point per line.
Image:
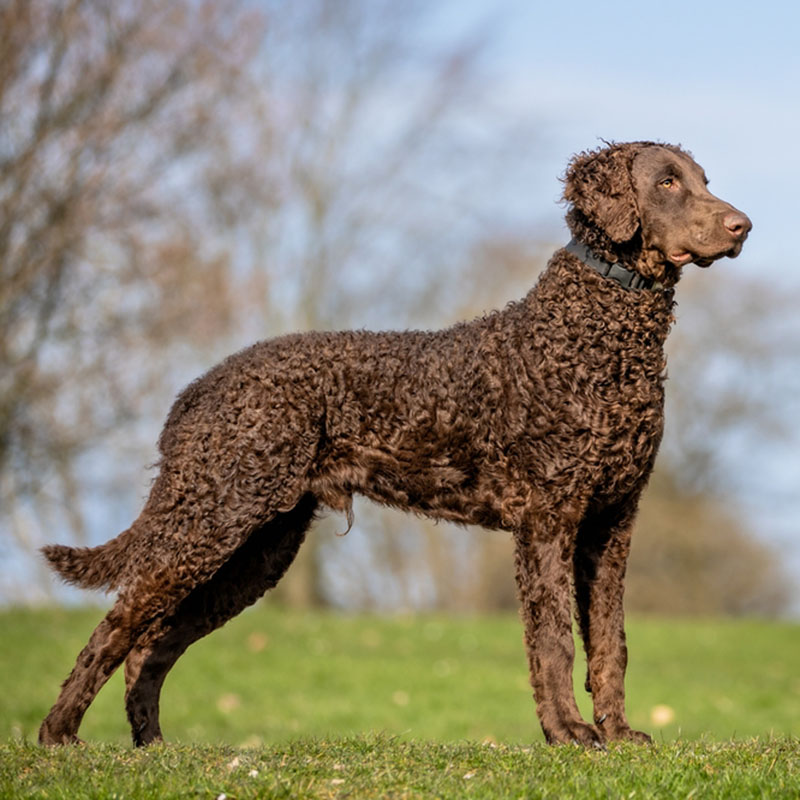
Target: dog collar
625	277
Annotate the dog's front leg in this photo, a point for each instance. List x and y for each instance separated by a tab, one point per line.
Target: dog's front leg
600	558
543	558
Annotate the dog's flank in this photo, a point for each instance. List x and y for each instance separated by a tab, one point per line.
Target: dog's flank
542	419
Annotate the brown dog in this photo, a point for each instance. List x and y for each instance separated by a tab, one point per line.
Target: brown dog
542	419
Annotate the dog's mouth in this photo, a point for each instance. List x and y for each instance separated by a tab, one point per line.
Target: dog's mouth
682	257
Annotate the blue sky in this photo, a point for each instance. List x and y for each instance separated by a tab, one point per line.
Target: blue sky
722	79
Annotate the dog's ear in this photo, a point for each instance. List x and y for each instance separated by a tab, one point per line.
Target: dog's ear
599	185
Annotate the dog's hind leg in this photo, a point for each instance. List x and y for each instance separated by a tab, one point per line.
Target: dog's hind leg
108	645
253	569
149	597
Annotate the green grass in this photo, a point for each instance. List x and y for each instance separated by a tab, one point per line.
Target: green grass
386	767
326	705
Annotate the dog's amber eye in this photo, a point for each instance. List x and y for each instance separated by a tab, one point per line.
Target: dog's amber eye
667	182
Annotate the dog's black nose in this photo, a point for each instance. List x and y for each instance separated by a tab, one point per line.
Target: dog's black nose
737	224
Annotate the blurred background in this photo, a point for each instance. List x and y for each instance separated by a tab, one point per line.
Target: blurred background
180	179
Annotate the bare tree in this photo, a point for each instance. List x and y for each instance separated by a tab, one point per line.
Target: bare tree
180	179
108	250
735	354
692	555
731	411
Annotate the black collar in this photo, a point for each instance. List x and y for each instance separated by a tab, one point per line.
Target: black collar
625	277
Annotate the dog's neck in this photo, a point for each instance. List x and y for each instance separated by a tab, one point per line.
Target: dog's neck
631	256
638	321
627	278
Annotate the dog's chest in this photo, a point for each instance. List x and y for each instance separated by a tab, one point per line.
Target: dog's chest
617	418
595	404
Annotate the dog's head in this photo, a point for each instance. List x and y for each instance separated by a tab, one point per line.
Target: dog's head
652	199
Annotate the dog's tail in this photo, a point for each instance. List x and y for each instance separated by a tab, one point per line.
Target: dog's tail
91	567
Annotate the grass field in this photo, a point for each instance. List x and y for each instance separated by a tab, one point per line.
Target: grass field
287	704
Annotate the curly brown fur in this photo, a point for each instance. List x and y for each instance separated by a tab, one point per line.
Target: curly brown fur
542	419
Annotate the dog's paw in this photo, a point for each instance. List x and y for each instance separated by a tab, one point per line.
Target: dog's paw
49	738
621	732
630	735
575	732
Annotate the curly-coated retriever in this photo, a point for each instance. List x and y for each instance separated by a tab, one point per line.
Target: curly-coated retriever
542	419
